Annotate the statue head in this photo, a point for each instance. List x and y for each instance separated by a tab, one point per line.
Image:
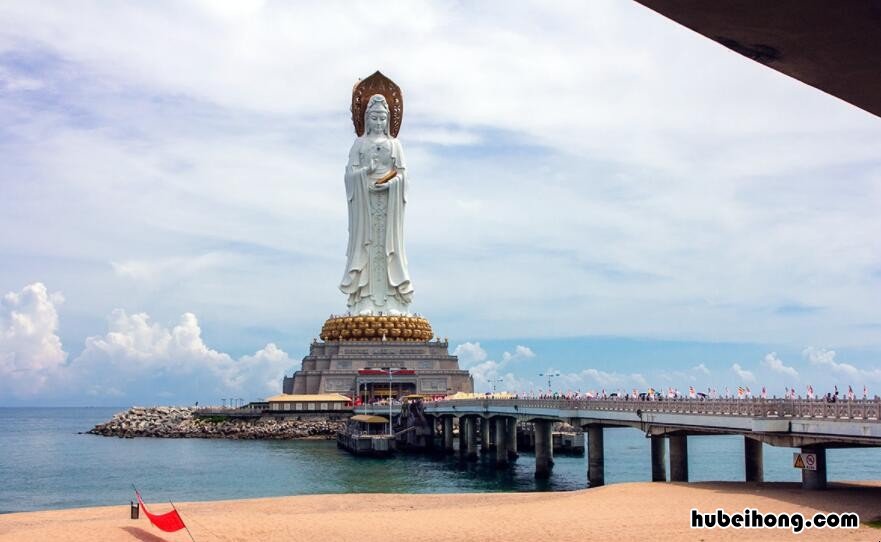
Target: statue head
376	116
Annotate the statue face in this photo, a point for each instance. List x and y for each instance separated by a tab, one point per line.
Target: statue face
377	121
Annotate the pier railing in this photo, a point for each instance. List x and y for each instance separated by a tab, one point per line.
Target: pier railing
857	409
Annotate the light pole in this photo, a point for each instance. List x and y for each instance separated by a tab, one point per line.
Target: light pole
550	375
390	371
390	404
493	382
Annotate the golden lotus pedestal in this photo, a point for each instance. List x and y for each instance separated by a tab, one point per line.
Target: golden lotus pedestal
376	328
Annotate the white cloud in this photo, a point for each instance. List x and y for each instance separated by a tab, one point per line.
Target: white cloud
603	378
488	373
469	354
743	374
13	83
263	371
169	268
135	349
520	353
776	364
31	353
594	378
136	358
826	358
701	368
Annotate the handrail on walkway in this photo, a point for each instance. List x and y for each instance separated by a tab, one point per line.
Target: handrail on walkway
859	409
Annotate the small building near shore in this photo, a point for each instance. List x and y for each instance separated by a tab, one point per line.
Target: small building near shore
309	403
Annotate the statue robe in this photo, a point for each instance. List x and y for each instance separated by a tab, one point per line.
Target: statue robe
356	278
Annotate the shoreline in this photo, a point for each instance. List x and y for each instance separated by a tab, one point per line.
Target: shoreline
640	510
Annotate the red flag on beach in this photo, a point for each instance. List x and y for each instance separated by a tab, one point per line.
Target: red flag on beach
168	522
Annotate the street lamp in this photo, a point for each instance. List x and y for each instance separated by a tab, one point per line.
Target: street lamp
493	382
550	375
390	371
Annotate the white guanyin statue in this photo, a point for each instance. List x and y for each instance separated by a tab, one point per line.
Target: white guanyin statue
376	279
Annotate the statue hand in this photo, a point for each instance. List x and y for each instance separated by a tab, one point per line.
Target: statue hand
372	167
379	187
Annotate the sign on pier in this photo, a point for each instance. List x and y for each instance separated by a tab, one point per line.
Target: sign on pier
804	461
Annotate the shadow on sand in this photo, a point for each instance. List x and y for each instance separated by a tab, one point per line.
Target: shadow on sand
141	534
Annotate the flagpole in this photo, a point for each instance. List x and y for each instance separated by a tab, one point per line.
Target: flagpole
185	525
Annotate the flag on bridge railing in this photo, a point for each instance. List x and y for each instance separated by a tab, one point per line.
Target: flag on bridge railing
810	392
865	392
850	393
764	393
691	393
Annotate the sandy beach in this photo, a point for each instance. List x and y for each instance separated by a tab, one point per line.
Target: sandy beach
618	512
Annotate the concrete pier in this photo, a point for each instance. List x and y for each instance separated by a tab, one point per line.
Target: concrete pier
429	437
463	446
501	424
512	438
470	438
814	479
659	458
487	444
595	457
753	460
678	458
448	434
544	448
485	437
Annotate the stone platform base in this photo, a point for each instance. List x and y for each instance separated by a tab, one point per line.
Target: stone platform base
338	366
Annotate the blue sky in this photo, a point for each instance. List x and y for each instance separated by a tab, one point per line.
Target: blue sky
595	190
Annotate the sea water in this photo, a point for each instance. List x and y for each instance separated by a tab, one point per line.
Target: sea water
46	463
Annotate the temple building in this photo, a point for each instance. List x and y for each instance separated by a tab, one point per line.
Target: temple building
372	370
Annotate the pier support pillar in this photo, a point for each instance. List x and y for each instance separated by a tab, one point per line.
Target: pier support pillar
544	448
678	458
814	479
492	438
470	438
463	446
595	457
501	424
512	438
448	434
659	458
484	436
429	437
754	463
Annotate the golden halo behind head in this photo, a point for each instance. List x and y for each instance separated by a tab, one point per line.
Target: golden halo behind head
377	84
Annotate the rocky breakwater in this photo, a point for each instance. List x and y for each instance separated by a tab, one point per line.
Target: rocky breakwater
181	422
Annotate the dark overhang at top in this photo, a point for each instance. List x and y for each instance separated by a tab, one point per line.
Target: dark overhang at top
833	45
